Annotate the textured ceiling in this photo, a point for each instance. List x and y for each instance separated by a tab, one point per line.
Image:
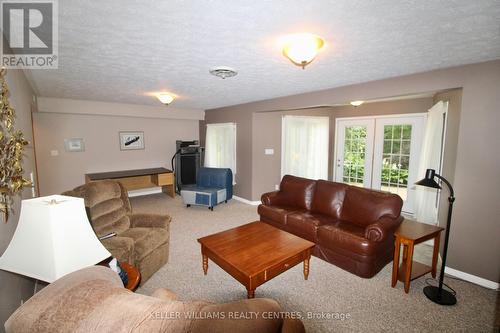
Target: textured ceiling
119	50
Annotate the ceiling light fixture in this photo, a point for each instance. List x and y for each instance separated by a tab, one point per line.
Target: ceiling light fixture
302	48
165	98
357	103
223	71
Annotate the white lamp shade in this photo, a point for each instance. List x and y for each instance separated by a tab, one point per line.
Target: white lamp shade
53	238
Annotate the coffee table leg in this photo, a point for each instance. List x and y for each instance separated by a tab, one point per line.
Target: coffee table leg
205	264
250	293
306	268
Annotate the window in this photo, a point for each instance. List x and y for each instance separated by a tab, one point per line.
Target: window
304	150
380	153
220	146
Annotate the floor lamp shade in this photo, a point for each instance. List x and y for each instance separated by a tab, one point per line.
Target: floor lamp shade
53	238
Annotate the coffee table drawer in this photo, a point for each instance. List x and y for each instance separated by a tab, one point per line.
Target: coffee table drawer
283	266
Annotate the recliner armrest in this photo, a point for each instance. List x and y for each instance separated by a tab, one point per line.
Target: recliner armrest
382	228
270	198
149	221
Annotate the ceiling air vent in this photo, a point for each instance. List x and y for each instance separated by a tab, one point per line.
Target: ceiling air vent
223	71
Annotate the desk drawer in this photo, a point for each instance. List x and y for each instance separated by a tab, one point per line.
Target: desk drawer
164	179
283	266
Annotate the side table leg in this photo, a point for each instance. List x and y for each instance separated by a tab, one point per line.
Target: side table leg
205	264
395	264
306	268
435	255
250	293
409	262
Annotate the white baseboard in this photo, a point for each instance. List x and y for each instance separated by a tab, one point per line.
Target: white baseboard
472	278
248	202
146	191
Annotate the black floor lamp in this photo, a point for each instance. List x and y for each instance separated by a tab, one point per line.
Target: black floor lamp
438	294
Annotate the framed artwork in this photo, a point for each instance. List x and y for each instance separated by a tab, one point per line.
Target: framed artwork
131	140
74	145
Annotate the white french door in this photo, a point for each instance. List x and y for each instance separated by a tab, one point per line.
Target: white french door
380	153
354	153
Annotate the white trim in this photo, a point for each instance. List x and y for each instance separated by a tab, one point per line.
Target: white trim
472	278
146	191
248	202
383	116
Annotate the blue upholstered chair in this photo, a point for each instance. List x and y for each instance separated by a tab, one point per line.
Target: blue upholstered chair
213	186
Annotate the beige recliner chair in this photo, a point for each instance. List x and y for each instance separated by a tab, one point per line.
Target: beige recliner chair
141	240
94	300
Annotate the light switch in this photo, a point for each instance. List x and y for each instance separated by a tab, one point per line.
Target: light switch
269	151
54	152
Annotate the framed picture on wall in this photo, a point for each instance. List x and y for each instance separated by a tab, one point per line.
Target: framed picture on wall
131	140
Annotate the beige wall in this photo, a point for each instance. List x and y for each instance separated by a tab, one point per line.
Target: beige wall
102	149
266	169
474	246
14	287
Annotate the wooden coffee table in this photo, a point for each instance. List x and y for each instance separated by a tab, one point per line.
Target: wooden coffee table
255	253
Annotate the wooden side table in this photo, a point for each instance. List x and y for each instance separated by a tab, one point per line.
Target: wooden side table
410	234
134	276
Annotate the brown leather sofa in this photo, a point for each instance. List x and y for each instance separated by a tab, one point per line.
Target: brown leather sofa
142	240
353	227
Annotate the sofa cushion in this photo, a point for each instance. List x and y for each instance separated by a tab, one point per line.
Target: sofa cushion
305	224
346	236
146	240
277	214
328	198
297	192
364	206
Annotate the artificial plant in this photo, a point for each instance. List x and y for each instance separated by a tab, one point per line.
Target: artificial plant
12	144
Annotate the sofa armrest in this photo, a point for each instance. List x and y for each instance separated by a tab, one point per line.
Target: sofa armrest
270	198
149	221
164	294
382	228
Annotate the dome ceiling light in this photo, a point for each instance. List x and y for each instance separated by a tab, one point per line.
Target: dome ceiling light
223	71
357	103
302	48
165	98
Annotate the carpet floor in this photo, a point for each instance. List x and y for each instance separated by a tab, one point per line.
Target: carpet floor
362	305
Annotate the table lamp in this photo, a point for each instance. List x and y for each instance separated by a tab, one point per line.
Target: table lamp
438	294
53	238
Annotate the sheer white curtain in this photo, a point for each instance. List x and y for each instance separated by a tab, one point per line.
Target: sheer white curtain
220	146
305	146
426	203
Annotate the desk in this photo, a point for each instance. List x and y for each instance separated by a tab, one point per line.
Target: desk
409	234
139	179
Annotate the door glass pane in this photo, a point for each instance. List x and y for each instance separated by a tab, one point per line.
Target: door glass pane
396	159
354	155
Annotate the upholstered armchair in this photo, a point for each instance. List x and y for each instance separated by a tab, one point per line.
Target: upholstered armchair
94	300
213	186
141	240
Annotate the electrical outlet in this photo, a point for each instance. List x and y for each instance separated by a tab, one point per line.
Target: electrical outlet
54	152
277	187
22	301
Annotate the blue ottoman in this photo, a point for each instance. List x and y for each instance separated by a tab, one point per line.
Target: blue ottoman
213	186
